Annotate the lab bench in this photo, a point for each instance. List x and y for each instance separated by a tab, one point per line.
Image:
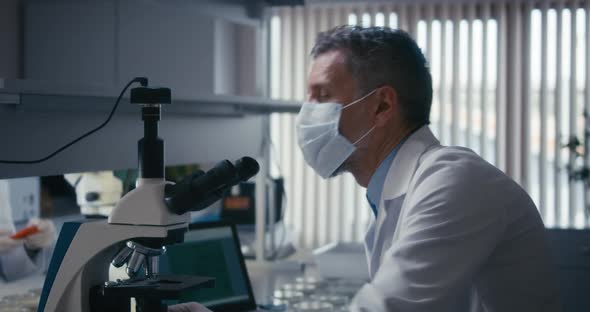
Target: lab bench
264	277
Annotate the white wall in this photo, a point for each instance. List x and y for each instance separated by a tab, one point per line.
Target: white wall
70	41
225	60
246	66
235	58
106	42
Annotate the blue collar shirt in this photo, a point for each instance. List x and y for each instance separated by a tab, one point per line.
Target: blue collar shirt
375	187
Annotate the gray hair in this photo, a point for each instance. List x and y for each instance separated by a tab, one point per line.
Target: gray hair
380	56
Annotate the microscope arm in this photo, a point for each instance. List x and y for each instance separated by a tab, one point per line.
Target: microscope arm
80	255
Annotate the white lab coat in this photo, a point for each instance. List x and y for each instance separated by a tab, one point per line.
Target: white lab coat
15	263
451	228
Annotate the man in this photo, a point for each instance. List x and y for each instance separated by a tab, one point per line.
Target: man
21	257
448	225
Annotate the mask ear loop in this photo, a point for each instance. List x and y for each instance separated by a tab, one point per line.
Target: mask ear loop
361	99
357	101
364	135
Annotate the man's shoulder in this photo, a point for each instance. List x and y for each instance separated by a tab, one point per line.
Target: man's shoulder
462	171
453	162
467	185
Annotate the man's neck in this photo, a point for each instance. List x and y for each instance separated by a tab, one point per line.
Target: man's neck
364	168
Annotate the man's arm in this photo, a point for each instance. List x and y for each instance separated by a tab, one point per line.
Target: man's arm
188	307
15	264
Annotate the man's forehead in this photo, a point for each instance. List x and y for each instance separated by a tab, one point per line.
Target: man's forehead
328	67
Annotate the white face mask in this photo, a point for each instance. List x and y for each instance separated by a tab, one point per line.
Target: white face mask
323	147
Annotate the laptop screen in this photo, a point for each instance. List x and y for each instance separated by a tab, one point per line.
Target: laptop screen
211	250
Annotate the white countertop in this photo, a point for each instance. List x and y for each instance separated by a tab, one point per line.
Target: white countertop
21	286
265	277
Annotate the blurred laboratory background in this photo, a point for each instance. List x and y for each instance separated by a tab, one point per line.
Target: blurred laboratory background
511	81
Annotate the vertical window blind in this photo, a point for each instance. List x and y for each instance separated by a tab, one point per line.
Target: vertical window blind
510	82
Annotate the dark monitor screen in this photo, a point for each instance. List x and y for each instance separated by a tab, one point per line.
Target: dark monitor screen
211	250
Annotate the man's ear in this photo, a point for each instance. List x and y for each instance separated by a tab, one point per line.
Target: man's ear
388	105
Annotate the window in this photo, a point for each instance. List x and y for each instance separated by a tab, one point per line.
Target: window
503	75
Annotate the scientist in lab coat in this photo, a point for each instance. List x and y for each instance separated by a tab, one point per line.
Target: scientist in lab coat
22	257
450	231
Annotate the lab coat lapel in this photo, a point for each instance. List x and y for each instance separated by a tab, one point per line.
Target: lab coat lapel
382	230
388	214
406	161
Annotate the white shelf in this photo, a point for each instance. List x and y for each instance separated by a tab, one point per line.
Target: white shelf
46	96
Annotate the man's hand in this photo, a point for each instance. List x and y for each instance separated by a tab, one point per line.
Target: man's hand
42	239
188	307
7	243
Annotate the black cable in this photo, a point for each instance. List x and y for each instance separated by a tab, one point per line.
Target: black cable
143	81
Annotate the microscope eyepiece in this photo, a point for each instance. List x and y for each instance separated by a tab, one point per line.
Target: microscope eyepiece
246	168
203	189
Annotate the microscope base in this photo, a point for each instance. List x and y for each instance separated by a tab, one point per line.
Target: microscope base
148	293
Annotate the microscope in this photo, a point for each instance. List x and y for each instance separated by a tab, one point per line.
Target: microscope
97	193
144	221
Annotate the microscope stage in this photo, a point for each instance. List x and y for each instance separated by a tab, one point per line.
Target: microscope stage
163	287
